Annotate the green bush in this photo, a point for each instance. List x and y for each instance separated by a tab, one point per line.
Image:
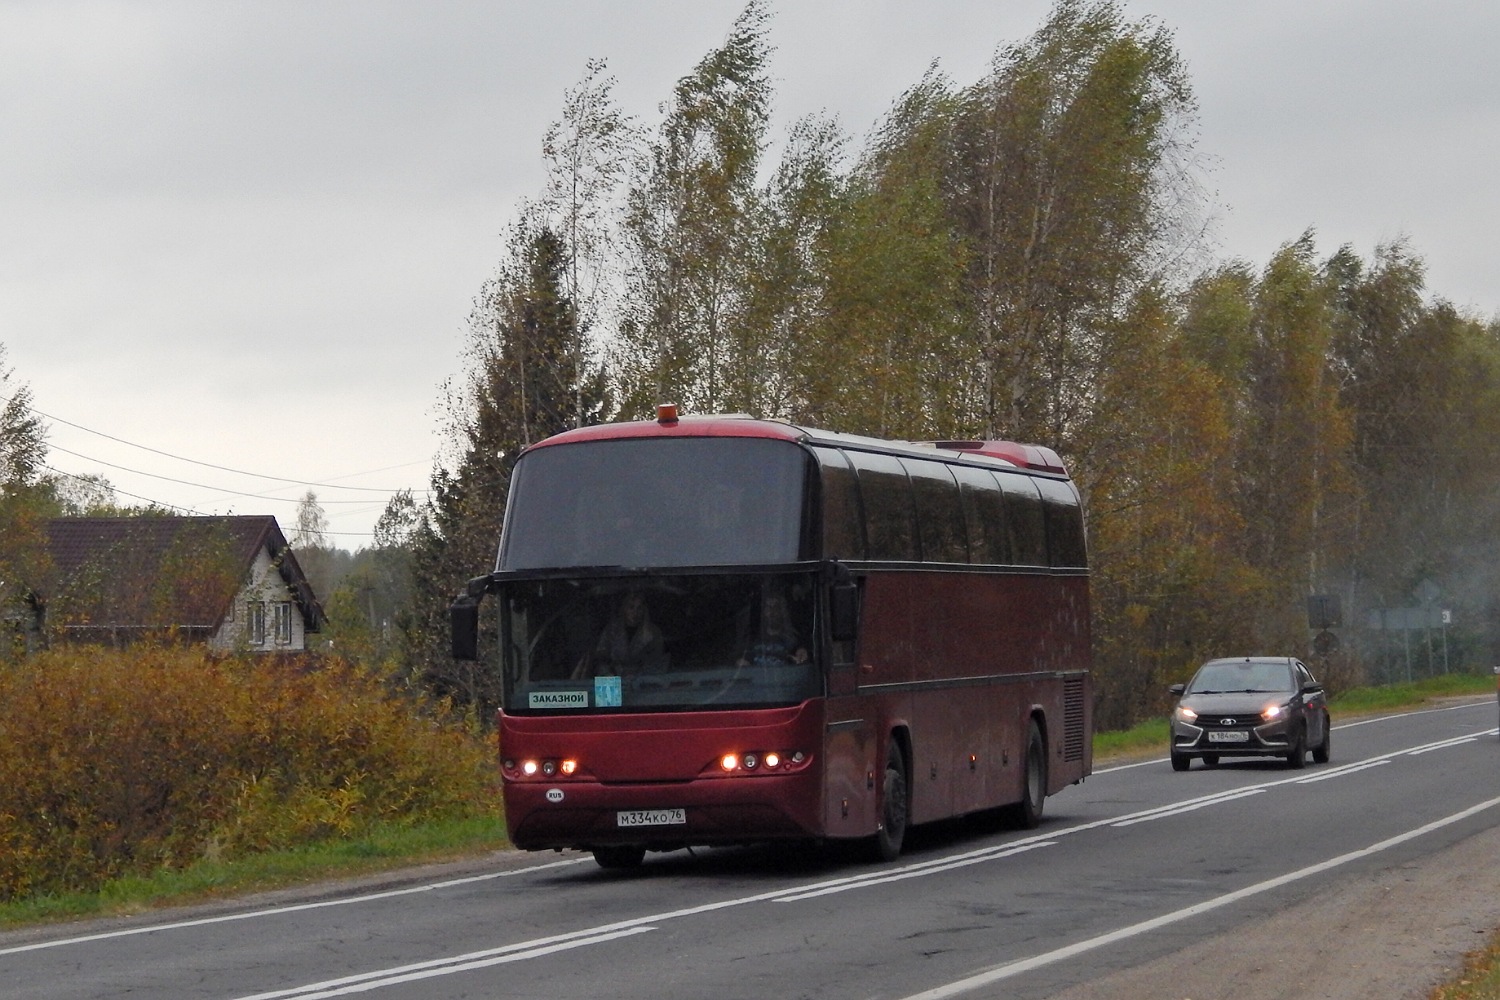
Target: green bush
117	763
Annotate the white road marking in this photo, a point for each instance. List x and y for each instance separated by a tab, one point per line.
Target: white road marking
928	869
1178	810
294	908
1010	970
366	981
1340	772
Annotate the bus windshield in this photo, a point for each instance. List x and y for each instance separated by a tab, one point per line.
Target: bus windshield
660	643
658	502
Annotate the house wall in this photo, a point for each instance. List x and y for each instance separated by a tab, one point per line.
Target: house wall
265	586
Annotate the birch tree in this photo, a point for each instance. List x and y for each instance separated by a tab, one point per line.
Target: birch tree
690	212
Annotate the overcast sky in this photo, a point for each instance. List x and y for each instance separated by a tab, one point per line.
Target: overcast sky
248	234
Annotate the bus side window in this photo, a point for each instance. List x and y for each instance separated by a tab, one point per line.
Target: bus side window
1064	515
1028	529
940	512
890	516
984	514
843	525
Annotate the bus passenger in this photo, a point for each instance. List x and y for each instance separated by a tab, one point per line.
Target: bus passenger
777	641
630	643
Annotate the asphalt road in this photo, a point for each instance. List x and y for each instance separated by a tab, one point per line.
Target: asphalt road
1137	864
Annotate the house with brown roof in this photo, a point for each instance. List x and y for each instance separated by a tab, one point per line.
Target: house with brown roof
232	582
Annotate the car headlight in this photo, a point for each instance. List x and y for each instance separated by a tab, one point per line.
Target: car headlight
1185	714
1273	712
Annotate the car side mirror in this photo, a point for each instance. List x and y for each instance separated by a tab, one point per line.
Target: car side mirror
1177	689
1312	689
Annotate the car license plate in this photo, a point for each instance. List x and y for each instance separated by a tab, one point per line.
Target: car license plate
650	817
1229	736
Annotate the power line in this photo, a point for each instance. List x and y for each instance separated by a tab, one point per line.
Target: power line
209	465
201	486
113	488
187	510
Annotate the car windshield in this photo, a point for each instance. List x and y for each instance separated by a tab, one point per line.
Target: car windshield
689	642
1241	678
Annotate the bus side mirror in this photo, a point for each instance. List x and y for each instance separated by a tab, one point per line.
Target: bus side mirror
463	617
843	611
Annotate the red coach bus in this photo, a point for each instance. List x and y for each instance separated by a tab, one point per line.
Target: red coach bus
722	630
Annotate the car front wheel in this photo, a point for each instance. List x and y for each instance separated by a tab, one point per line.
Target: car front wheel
1323	751
1296	757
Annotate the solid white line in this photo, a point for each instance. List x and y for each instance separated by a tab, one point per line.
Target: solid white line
294	908
367	981
1179	810
1016	968
1340	772
929	870
1459	741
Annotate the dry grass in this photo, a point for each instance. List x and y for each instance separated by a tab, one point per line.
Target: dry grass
121	763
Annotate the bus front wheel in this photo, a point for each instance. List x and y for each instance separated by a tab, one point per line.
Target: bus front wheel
893	811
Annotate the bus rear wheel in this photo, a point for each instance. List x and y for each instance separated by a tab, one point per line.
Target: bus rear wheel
619	856
1027	813
893	810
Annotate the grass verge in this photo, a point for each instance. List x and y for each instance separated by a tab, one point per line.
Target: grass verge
382	849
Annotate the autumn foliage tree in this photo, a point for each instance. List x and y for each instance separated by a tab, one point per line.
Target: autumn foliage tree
1017	257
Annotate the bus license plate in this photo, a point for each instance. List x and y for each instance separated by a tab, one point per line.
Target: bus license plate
650	817
1229	736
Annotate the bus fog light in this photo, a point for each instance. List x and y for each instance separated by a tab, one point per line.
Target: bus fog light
773	759
549	768
751	761
570	767
729	761
529	767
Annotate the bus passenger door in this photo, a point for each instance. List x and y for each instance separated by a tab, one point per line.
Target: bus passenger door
849	743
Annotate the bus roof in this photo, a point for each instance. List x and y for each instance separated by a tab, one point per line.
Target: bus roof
1030	457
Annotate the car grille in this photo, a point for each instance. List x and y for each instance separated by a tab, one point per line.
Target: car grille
1227	721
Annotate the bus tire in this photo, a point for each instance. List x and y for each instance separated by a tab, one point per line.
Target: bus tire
1027	813
894	793
618	856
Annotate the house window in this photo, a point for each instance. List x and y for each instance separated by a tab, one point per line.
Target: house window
255	622
284	623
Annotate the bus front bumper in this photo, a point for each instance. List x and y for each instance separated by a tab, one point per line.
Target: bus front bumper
663	815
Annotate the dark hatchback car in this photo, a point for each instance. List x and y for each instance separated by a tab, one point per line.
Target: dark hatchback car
1252	706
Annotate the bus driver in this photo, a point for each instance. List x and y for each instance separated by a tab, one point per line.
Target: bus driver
630	642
